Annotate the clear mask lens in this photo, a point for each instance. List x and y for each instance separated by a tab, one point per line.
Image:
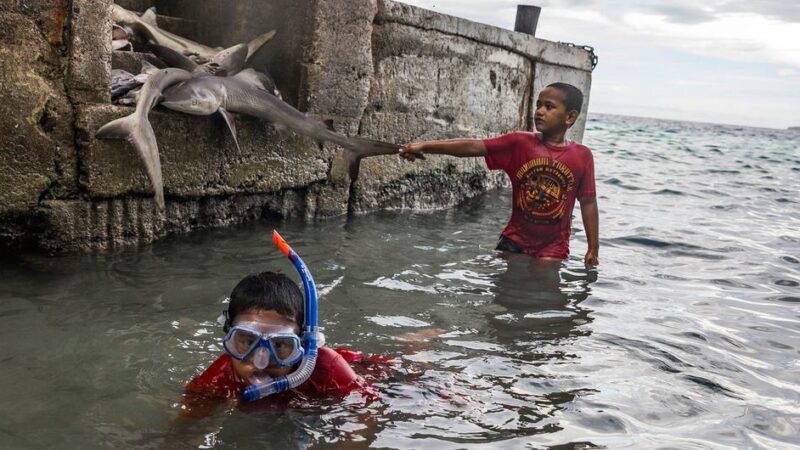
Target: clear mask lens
244	343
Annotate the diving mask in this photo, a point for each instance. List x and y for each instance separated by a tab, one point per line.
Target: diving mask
264	344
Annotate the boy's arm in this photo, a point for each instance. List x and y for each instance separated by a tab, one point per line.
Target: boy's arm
591	223
453	147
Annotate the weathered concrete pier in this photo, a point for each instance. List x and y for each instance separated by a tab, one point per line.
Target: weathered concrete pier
377	68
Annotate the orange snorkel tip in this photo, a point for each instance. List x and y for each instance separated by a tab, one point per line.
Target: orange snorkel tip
280	242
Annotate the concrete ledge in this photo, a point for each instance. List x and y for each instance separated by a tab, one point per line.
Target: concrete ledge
446	185
77	225
523	44
198	157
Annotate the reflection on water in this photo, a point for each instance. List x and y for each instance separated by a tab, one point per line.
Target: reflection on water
686	336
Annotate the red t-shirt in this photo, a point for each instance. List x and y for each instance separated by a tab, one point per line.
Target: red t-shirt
332	376
546	181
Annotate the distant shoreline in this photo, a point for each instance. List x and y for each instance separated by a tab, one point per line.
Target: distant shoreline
665	119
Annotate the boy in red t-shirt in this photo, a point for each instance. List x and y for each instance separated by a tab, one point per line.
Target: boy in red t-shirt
270	306
548	173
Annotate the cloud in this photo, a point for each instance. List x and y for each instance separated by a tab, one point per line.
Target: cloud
744	37
784	10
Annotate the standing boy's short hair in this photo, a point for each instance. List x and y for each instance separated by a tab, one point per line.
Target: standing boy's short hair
573	96
265	291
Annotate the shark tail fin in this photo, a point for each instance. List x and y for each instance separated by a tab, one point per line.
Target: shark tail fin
353	162
141	135
363	148
117	129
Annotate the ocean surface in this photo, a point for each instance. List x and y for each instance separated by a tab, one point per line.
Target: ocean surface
687	335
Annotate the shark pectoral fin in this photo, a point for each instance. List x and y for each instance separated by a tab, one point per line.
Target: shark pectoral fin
254	45
231	125
150	17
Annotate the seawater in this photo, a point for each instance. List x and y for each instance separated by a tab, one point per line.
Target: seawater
687	335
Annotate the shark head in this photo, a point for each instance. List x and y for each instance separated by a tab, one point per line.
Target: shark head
191	97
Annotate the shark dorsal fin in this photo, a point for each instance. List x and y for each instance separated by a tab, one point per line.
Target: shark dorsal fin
150	17
258	42
229	61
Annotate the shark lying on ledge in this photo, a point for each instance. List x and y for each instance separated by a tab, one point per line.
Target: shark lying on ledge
136	127
202	94
245	94
146	26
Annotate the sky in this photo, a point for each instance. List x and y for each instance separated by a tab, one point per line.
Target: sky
718	61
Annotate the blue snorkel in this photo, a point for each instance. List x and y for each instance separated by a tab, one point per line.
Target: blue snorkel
310	334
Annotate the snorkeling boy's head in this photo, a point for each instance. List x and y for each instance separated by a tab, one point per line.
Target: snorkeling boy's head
264	317
266	291
557	108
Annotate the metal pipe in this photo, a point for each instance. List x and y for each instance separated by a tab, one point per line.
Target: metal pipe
527	19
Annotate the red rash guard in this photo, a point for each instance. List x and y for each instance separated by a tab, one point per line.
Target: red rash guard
332	376
546	181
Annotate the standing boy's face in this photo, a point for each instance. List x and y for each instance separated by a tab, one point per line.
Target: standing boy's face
551	114
268	318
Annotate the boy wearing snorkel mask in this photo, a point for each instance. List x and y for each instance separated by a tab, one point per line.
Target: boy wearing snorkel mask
262	343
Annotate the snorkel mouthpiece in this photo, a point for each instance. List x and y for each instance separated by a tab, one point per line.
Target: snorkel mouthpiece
266	386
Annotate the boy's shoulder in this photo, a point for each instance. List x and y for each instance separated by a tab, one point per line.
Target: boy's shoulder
511	140
577	146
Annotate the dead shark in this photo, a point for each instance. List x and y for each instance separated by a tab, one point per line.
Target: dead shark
146	25
207	95
228	62
136	128
225	63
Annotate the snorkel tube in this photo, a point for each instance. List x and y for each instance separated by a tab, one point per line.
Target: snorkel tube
310	334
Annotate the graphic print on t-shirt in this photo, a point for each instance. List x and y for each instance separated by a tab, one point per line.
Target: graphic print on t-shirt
543	187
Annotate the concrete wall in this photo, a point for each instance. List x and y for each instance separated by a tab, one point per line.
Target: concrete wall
375	67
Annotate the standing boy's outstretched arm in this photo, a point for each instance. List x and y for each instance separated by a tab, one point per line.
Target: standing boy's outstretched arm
452	147
591	224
